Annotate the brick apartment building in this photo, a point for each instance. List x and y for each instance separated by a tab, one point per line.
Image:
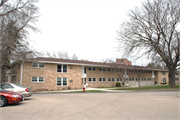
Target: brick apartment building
57	74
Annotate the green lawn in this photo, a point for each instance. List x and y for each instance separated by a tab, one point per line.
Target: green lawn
148	87
89	91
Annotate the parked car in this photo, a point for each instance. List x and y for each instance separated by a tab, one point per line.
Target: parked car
17	88
8	97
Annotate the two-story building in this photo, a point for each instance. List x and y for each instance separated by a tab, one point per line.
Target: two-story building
56	74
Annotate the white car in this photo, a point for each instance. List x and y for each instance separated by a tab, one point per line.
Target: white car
17	88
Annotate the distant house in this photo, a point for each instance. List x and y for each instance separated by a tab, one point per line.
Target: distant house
52	73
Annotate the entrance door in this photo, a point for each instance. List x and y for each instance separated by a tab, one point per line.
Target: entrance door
84	82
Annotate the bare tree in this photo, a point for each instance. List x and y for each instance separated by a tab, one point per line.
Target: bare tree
62	55
153	31
16	18
107	60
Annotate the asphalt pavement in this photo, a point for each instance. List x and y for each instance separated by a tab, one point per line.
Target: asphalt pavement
152	105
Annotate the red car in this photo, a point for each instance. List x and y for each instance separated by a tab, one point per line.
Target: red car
7	97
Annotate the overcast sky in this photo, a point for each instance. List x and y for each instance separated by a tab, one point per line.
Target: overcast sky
86	28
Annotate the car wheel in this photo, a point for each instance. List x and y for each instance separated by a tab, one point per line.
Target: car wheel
3	101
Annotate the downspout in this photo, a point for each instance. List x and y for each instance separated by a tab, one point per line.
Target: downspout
22	71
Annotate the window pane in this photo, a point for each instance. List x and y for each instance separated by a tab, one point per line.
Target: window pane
104	69
100	79
94	79
94	69
104	79
100	69
34	64
64	81
117	79
59	81
41	64
89	68
109	79
58	68
64	68
112	79
34	79
109	69
41	79
90	79
6	86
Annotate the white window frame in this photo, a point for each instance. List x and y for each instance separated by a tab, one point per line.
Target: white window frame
61	81
164	72
92	80
38	80
148	79
38	66
92	68
143	79
62	70
119	79
111	80
102	79
102	69
111	69
164	79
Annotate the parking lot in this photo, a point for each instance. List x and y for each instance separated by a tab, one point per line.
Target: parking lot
158	105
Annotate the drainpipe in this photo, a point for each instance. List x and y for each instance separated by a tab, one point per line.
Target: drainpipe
22	72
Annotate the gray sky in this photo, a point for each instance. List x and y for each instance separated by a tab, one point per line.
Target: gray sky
86	28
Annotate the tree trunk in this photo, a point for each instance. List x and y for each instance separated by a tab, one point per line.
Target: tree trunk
172	74
3	75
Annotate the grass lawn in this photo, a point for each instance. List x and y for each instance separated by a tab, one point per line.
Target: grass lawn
149	87
89	91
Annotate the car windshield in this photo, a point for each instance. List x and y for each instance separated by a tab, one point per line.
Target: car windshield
1	90
19	85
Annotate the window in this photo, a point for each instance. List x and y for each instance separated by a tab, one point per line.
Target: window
18	79
61	81
164	79
119	79
7	86
92	79
92	68
137	79
102	69
102	79
119	70
131	70
138	71
148	71
37	79
143	79
131	79
40	65
62	68
143	71
110	69
111	79
148	79
164	73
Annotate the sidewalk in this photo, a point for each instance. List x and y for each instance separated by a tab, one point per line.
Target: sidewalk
87	88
